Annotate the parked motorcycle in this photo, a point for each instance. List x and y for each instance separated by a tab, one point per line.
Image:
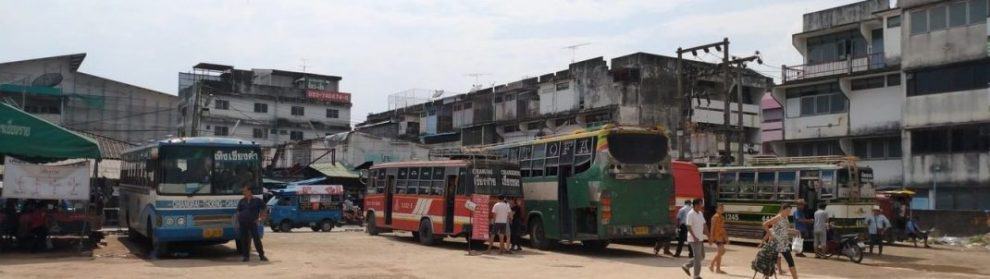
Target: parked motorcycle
848	245
353	216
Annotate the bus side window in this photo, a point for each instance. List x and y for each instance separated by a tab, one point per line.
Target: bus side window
786	181
729	187
463	183
765	186
747	189
583	155
525	160
553	151
539	157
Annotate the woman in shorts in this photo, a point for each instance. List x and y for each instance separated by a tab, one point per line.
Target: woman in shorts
719	237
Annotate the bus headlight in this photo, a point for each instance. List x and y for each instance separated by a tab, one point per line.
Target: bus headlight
169	221
181	221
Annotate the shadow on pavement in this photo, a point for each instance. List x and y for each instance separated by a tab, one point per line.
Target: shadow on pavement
182	255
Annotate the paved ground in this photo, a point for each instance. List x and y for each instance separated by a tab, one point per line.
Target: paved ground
351	254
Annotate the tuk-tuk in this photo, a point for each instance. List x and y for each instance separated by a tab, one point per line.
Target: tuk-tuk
319	207
896	205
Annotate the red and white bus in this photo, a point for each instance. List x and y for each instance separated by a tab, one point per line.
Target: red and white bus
428	198
687	185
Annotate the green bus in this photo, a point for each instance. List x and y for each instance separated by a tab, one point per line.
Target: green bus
594	185
753	194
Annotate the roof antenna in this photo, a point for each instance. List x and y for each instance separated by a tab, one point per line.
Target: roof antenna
574	48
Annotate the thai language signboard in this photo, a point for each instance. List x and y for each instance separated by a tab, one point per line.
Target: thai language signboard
329	96
25	180
480	216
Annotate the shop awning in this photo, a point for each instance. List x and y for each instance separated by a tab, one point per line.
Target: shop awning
335	170
31	138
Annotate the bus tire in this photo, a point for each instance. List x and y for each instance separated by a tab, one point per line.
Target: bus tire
326	225
594	245
537	235
157	248
426	232
369	225
285	226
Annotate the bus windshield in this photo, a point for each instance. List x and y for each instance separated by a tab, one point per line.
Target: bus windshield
208	170
636	148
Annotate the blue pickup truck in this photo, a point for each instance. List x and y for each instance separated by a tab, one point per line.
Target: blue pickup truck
319	207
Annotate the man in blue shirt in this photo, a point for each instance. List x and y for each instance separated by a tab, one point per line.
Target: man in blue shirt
682	229
876	225
914	231
250	212
802	223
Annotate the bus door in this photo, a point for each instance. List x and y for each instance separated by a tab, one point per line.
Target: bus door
449	195
389	192
562	197
810	180
709	187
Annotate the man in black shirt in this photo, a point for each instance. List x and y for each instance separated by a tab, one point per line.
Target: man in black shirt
250	212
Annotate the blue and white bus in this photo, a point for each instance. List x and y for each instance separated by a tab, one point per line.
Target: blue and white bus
186	189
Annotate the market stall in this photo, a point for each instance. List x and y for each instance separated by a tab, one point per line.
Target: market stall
47	177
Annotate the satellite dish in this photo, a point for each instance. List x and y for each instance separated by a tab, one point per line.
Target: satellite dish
49	80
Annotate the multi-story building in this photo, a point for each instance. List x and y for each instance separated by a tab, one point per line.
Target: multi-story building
270	107
904	88
54	88
638	89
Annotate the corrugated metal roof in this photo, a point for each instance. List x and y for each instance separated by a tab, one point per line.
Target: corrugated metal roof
110	148
335	170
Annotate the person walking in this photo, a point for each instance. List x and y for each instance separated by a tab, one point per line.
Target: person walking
682	231
779	232
719	237
250	212
877	225
695	223
802	223
502	212
914	231
820	230
516	225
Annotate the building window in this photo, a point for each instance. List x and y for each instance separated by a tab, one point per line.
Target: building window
221	104
296	110
967	76
296	135
894	21
977	11
877	148
818	99
958	139
836	47
814	148
868	83
957	14
333	113
893	79
510	128
535	125
221	131
919	22
260	108
563	85
937	18
259	133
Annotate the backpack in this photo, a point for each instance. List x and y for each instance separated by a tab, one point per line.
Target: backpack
766	259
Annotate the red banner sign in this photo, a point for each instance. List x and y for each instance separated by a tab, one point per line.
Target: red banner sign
329	96
479	219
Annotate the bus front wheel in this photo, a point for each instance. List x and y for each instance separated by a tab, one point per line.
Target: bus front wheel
369	224
326	225
538	236
426	232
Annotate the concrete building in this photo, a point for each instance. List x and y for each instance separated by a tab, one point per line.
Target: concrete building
904	88
270	107
638	89
54	88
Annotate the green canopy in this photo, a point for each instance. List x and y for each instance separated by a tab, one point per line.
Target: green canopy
34	139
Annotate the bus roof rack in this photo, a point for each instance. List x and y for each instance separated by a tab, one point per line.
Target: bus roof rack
831	159
455	153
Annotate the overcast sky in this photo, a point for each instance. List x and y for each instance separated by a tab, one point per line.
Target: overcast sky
383	47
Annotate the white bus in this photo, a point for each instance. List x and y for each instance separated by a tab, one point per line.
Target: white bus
186	189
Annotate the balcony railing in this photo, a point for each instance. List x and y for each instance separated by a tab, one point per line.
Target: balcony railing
850	65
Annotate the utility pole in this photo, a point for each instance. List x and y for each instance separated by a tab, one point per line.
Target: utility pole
685	122
725	97
740	130
195	112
